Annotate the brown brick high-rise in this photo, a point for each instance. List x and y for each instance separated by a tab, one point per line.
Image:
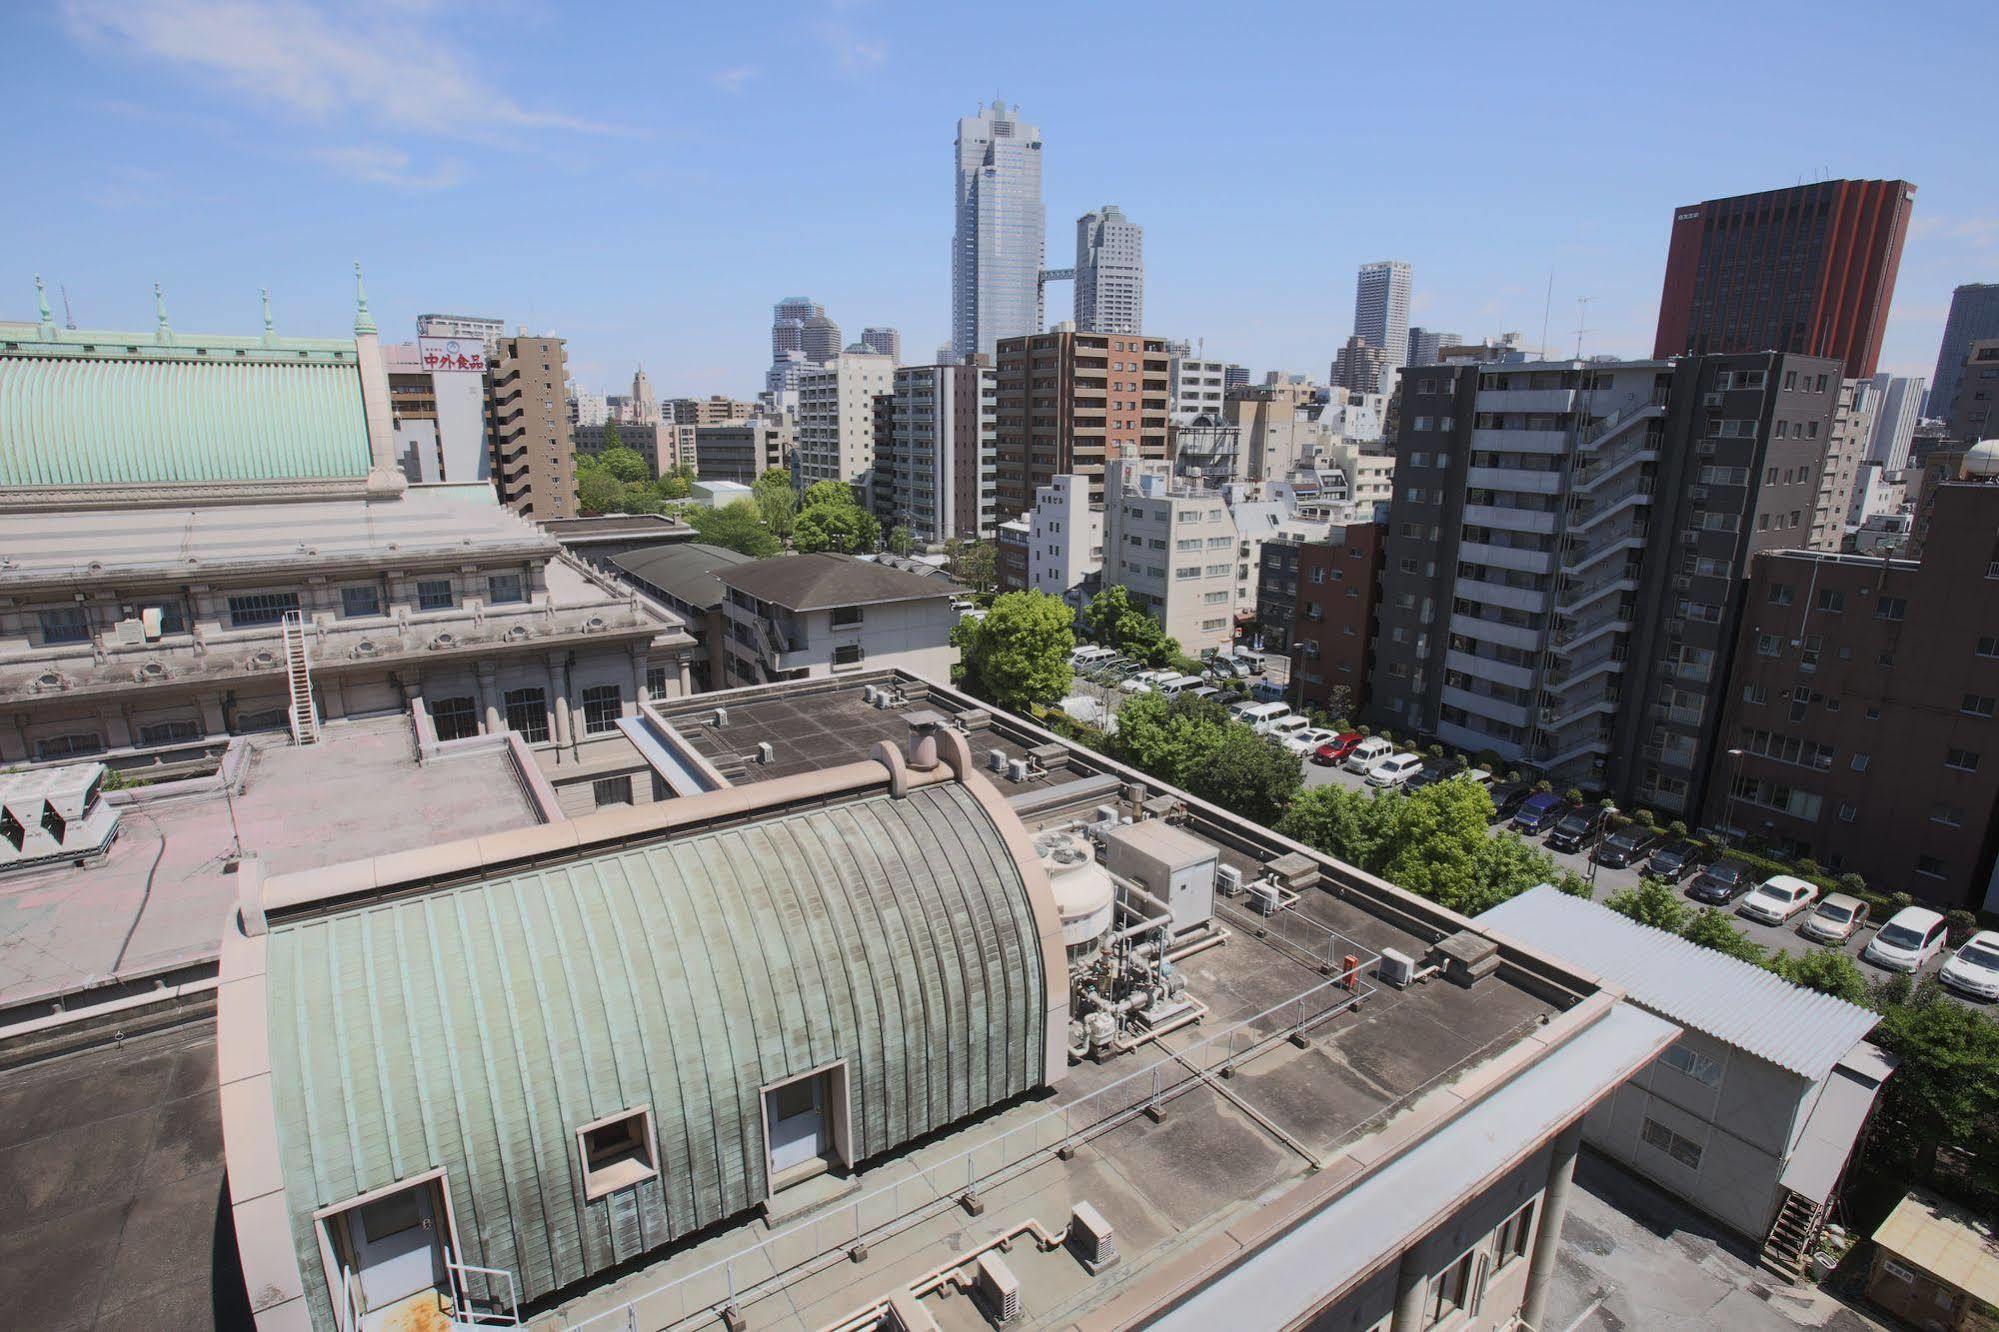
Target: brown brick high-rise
1067	402
527	415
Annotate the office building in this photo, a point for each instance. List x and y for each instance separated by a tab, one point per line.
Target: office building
527	416
1317	601
1895	417
999	241
1810	269
1195	388
1362	367
711	410
587	408
654	443
884	341
1065	541
1859	728
1974	403
1172	545
1566	548
1974	316
1852	429
439	415
1426	345
934	463
743	450
1234	377
801	617
1110	272
1381	310
1068	402
836	418
471	328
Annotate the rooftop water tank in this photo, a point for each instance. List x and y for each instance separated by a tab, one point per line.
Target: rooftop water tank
1085	896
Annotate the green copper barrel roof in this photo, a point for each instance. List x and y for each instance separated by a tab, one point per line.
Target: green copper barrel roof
476	1028
127	411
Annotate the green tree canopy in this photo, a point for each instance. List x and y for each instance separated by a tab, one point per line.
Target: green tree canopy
777	498
1826	970
1017	653
1249	775
900	542
1946	1091
1711	929
597	491
1112	620
625	465
845	529
973	564
1651	903
738	526
1168	737
828	492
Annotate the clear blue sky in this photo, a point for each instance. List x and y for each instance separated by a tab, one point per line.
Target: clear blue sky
648	179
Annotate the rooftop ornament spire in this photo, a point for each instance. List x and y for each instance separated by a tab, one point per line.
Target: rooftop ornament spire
47	329
163	334
363	321
270	333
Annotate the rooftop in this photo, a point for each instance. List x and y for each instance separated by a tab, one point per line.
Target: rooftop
616	525
152	905
1951	1243
823	580
686	571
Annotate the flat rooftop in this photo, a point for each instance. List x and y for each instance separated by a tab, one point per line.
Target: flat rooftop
157	900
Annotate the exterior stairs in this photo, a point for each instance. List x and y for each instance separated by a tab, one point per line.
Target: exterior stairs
302	708
1788	1247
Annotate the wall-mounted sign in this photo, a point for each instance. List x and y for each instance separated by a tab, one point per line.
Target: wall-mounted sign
460	354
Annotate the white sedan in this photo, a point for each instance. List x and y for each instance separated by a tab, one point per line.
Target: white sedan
1304	742
1974	968
1394	770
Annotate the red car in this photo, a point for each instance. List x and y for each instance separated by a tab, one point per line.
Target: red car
1336	749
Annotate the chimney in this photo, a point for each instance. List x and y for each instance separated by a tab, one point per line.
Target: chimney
923	728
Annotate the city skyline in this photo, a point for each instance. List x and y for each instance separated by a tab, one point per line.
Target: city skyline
171	118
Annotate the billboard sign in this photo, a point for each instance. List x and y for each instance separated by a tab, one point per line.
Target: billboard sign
455	354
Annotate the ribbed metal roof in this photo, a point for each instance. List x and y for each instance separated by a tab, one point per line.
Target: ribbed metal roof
74	420
478	1027
1734	1001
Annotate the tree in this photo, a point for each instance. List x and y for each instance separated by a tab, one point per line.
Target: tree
1250	775
846	529
1168	737
597	491
624	465
900	542
828	492
973	564
1946	1091
1826	970
1017	653
778	499
738	526
1710	929
674	486
1112	620
1651	903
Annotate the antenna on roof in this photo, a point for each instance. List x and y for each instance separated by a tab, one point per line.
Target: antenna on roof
1582	309
1547	306
68	319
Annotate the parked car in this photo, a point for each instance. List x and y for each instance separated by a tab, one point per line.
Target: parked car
1175	685
1395	770
1254	713
1538	812
1974	968
1835	920
1336	749
1778	898
1308	740
1507	797
1720	883
1267	690
1625	846
1281	729
1207	692
1367	753
1430	773
1575	829
1676	859
1911	937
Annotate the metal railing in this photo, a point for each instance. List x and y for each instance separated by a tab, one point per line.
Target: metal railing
829	1235
487	1308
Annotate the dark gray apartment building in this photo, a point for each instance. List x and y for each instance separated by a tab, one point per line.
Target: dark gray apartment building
1566	550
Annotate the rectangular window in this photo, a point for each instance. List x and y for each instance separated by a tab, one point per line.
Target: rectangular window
612	791
503	589
1514	1236
1930	867
435	594
655	682
1781	593
602	706
1831	599
1699	1067
527	713
74	745
253	609
1684	1150
1978	705
1451	1289
1988	646
846	616
363	599
455	718
1891	608
170	732
66	624
617	1152
1964	760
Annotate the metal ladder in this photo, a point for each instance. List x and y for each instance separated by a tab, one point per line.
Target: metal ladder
304	712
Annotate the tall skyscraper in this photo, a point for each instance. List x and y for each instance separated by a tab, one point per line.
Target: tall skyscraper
1110	272
800	325
1809	269
1381	309
886	341
1001	234
1974	316
1362	366
1426	345
1894	420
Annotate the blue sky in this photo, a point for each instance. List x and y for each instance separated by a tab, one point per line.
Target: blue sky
648	180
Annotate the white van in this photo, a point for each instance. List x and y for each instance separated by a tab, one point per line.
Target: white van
1085	658
1259	715
1174	686
1367	753
1266	691
1286	726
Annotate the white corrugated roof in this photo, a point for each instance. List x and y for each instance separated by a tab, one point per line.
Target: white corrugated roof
1750	1008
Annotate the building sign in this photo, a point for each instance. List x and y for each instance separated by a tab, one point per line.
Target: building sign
441	354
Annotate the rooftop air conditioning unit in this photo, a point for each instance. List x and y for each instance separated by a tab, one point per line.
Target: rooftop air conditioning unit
1228	880
868	695
1397	969
996	759
1016	770
999	1286
1263	894
1091	1238
765	751
721	718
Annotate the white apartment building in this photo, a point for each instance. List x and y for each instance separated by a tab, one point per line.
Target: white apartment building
1852	430
1065	540
836	417
801	617
935	470
1196	388
1895	418
1110	272
1368	466
1172	544
486	330
439	418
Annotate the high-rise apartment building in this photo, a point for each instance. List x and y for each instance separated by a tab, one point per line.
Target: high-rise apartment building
1195	388
1381	309
1566	547
527	416
836	418
934	466
711	410
1110	272
588	409
1974	316
886	341
1900	407
1426	345
1852	427
439	416
1065	541
1317	601
470	327
801	325
1172	544
1070	402
1809	269
1362	367
1000	239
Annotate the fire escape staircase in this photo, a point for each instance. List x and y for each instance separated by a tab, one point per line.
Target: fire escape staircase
303	710
1788	1247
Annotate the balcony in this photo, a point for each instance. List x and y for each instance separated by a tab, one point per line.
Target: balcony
1537	401
1509	519
1513	714
1532	599
1508	557
1490	631
1518	479
1521	441
1485	668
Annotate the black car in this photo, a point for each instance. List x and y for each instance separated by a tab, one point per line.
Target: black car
1432	772
1677	859
1720	883
1626	846
1574	829
1507	797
